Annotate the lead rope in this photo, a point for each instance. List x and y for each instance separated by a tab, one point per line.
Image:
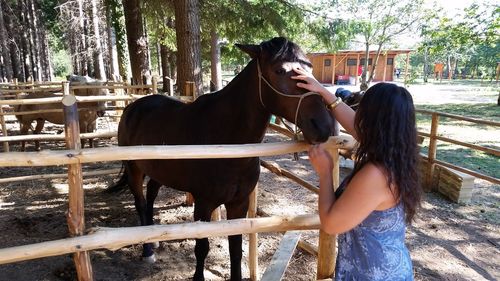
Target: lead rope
301	97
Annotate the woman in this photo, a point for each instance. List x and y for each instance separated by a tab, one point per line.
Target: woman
382	193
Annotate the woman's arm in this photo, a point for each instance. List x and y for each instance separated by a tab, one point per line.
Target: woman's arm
342	112
367	191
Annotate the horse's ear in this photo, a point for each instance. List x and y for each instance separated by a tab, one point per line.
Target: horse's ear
252	50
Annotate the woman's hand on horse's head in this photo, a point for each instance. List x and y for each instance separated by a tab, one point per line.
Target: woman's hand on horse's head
308	82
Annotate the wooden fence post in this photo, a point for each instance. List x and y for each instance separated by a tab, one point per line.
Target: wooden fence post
154	81
6	147
431	167
4	130
327	252
253	251
168	85
75	215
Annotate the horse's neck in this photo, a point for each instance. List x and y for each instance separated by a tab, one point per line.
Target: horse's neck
242	95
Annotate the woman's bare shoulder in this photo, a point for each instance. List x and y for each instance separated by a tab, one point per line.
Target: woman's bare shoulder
374	179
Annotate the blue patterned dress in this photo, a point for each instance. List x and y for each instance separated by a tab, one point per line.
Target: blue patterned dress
375	249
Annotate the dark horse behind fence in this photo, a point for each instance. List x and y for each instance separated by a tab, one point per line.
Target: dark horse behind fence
237	114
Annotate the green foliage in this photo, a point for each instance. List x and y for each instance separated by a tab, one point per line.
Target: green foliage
61	63
335	34
50	17
473	40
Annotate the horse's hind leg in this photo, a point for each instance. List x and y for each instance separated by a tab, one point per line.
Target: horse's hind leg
202	212
236	210
135	180
151	193
38	129
23	130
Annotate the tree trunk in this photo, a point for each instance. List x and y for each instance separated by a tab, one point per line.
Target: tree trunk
215	64
158	58
81	43
364	85
375	62
35	41
118	23
6	58
14	30
448	66
187	27
114	68
98	58
137	43
47	66
26	48
425	64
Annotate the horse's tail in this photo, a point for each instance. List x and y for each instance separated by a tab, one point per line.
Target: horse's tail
122	184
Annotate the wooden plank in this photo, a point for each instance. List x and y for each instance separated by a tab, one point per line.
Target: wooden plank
281	257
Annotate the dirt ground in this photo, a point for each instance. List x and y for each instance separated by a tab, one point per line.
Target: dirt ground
448	241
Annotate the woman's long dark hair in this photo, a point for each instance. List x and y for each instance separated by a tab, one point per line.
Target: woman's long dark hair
387	135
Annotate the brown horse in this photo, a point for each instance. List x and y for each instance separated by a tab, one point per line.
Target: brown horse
237	114
88	111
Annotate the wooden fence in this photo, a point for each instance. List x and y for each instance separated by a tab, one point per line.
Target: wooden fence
79	244
434	137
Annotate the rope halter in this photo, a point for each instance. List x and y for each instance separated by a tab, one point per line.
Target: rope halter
300	97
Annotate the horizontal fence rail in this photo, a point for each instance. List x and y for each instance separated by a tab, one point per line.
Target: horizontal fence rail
116	238
64	157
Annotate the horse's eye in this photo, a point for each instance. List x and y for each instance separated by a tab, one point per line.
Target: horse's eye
281	71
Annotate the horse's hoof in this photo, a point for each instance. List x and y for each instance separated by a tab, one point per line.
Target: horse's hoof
151	259
156	245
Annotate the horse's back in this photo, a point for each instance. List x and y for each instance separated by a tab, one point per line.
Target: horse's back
53	117
145	120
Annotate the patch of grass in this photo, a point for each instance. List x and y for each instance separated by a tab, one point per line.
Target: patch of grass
483	111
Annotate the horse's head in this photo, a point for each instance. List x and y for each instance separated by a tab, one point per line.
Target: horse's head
278	93
77	80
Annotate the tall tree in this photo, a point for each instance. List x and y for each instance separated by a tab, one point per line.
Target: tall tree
187	25
215	65
5	54
97	52
136	38
117	21
114	69
378	23
13	32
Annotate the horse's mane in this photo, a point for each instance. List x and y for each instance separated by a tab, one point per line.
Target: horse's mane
280	48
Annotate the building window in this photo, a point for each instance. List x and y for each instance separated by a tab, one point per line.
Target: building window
362	61
390	61
328	62
351	62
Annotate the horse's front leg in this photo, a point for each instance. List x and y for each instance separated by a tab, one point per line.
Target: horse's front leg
38	129
236	210
202	212
23	130
151	194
